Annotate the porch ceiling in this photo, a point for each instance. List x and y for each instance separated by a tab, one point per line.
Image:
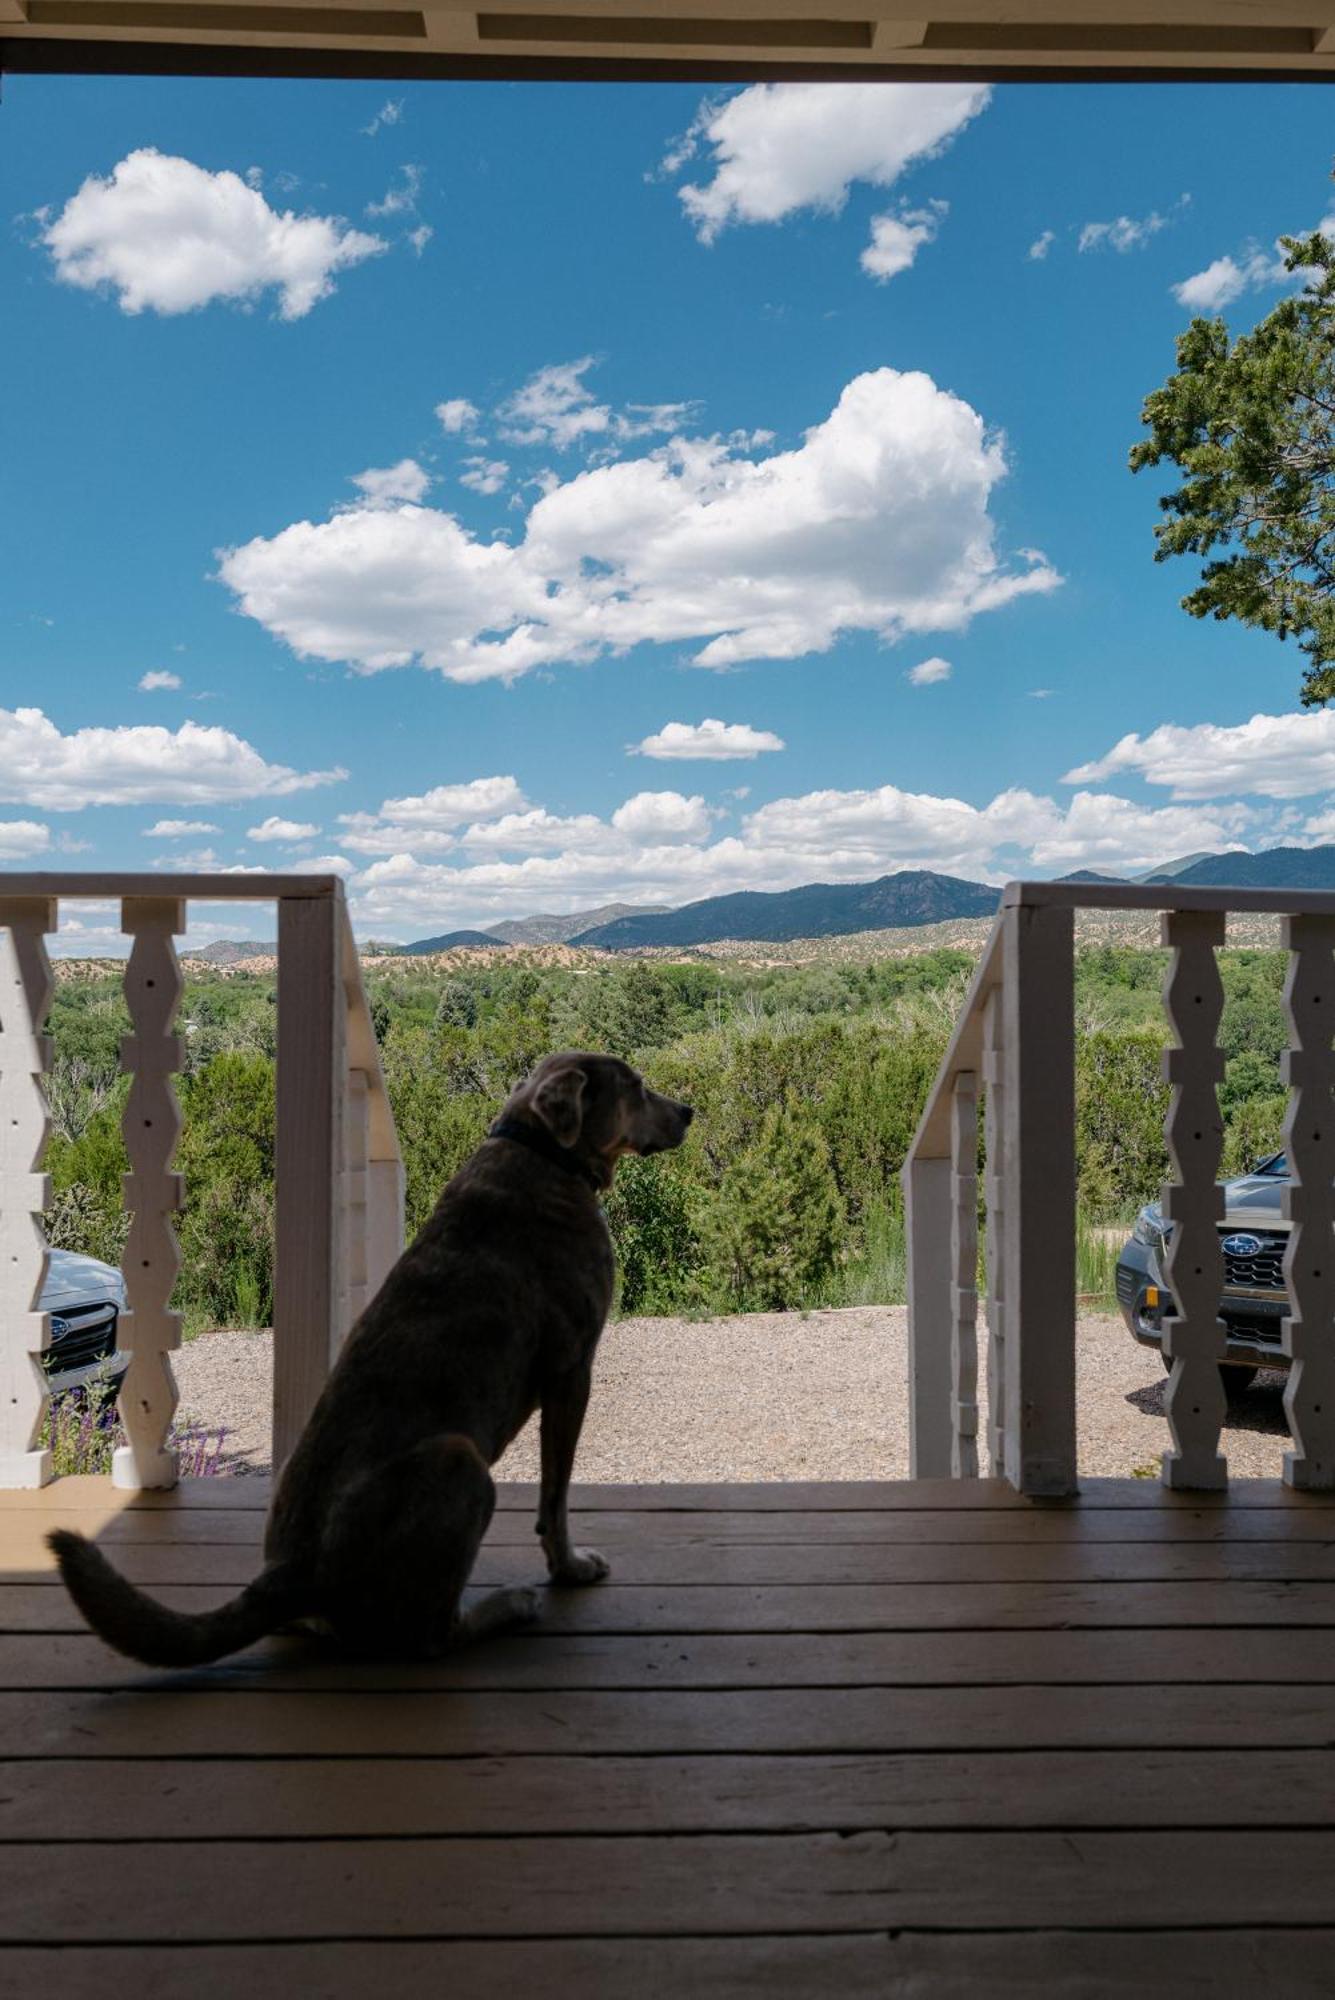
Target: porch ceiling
676	38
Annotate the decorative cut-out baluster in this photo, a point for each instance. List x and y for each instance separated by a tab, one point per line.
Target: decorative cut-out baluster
353	1236
150	1331
964	1276
994	1127
1309	1201
25	996
1194	1335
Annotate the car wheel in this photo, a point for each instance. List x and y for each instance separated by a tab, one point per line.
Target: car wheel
1238	1375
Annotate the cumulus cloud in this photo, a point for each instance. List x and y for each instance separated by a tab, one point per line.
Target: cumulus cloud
779	147
1273	756
20	839
897	239
400	200
168	237
456	415
1041	245
382	485
288	830
1226	279
710	741
428	822
158	682
178	829
929	672
555	406
484	475
658	847
1124	233
135	765
878	522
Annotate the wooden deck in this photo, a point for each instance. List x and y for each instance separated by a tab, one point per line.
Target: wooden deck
850	1740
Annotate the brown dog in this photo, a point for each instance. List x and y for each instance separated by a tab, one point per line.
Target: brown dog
494	1312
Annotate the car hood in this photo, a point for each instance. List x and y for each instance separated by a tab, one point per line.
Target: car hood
1253	1199
74	1279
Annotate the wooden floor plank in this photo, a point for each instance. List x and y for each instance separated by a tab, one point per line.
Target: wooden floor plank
43	1606
283	1799
262	1723
786	1659
669	1885
726	1566
1091	1965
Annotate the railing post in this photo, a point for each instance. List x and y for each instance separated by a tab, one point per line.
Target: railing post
964	1275
308	1158
1308	1332
1038	1167
151	1124
1194	1336
25	996
994	1143
927	1211
355	1288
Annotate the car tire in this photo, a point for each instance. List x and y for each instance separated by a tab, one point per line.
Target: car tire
1238	1375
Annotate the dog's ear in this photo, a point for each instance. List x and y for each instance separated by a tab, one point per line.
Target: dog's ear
559	1102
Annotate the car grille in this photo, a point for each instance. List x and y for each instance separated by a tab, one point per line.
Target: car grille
91	1337
1127	1282
1264	1269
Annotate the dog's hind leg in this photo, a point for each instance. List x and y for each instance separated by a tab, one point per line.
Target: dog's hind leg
498	1612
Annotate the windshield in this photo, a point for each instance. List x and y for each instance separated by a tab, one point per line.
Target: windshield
1277	1164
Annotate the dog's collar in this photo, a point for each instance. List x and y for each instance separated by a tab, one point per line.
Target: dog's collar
540	1141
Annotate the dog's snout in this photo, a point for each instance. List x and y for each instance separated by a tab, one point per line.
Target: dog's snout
686	1112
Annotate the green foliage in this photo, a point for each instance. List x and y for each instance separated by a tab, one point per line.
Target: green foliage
655	1212
1120	1101
1251	424
775	1228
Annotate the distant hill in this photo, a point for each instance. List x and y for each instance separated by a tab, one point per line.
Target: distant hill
820	909
548	929
1275	868
453	941
228	950
1090	875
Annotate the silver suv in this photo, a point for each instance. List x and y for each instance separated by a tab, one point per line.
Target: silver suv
1254	1236
85	1299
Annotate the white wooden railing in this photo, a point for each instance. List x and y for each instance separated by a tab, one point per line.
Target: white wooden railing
338	1174
1014	1047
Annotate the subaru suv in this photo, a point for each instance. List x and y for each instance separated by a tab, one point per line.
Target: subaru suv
85	1299
1254	1234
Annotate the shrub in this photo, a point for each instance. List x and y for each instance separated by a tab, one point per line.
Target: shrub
776	1226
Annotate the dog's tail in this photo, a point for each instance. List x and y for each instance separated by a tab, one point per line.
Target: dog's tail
137	1624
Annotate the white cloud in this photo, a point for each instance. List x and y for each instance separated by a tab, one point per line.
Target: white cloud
1122	234
287	830
484	475
401	200
878	522
420	237
178	829
709	741
1274	756
138	765
1225	279
780	147
897	239
158	682
554	407
321	864
22	838
456	415
656	847
429	821
168	237
383	485
929	672
1041	245
390	113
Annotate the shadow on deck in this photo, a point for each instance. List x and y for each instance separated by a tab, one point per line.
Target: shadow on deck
863	1740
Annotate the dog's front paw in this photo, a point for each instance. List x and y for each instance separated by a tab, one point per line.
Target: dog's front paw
581	1566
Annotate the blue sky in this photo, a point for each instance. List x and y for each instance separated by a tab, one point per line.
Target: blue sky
668	407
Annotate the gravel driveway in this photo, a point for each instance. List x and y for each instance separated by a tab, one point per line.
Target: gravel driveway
769	1396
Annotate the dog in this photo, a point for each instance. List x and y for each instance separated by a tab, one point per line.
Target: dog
492	1313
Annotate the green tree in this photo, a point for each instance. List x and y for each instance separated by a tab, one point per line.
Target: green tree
776	1228
1251	423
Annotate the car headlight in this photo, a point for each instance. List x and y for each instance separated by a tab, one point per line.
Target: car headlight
1150	1227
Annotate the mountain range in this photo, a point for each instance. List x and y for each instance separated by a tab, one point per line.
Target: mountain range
820	909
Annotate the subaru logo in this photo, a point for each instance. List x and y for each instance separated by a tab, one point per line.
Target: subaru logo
59	1327
1241	1246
